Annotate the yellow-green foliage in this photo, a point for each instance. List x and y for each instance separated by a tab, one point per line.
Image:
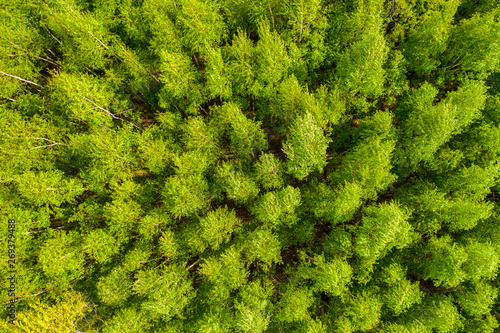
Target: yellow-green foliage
196	166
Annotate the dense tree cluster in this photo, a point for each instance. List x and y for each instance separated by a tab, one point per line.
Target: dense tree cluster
251	166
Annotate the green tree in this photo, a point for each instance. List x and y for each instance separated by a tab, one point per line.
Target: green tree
217	226
269	171
277	208
167	291
381	229
254	309
66	314
181	82
61	258
201	25
331	277
238	186
305	148
436	313
294	305
224	274
115	288
263	245
186	195
22	46
272	59
368	166
433	30
474	46
397	292
245	136
430	126
360	69
359	311
250	166
445	265
477	299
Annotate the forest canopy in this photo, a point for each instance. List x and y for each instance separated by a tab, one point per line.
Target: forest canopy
250	166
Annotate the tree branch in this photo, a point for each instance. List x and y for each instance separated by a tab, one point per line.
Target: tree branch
21	79
109	113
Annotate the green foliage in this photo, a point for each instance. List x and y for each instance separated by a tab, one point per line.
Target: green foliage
433	30
305	148
115	288
332	277
382	228
433	209
444	266
293	101
224	273
271	57
218	79
360	69
245	135
107	155
66	314
294	305
482	261
168	245
97	245
278	207
250	166
264	246
128	319
269	171
185	195
21	45
253	310
201	137
477	300
86	98
360	311
87	41
217	226
368	166
201	26
474	45
61	258
437	313
242	63
238	186
181	80
399	293
167	291
429	126
48	188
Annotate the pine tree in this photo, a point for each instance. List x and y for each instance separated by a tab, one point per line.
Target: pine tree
238	187
143	183
277	208
67	314
223	274
429	126
269	171
253	310
433	30
166	291
217	226
382	228
305	148
401	293
474	46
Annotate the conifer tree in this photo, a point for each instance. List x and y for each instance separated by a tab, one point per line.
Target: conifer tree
249	166
306	147
383	228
